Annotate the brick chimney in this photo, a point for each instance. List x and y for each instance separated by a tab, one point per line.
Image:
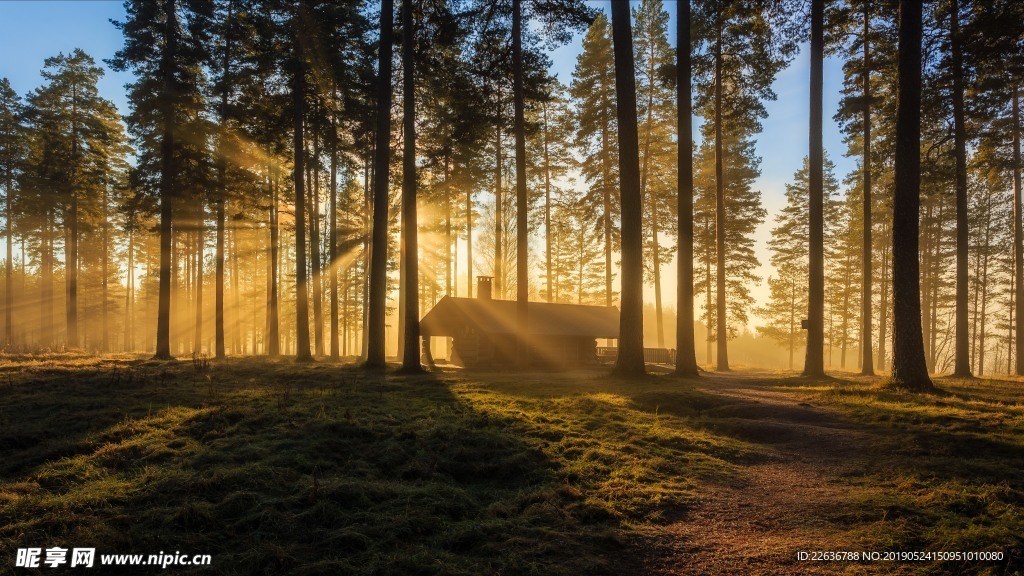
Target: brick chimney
483	287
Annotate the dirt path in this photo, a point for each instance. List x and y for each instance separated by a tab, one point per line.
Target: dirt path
798	496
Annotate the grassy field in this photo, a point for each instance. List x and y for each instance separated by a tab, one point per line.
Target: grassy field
277	468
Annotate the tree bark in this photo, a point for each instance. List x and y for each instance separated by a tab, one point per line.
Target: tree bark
1018	238
630	360
410	250
909	370
962	368
519	127
273	324
867	366
686	355
722	329
333	239
314	239
302	351
168	172
814	363
375	355
547	205
197	344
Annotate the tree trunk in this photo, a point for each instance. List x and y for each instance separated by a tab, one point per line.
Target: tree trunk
222	192
686	355
333	239
9	265
519	127
71	223
469	245
867	367
607	207
814	364
630	360
962	368
378	291
273	324
655	256
197	344
168	172
720	236
499	213
104	269
314	240
1018	237
883	303
547	205
909	370
302	352
410	249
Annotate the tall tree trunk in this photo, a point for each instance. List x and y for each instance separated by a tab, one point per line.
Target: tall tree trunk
962	368
129	297
71	221
814	363
630	360
499	212
469	245
909	370
522	247
333	239
410	248
104	270
222	185
314	240
547	205
302	352
686	355
883	307
1018	237
273	324
9	265
607	207
722	330
168	172
867	368
644	166
378	291
197	344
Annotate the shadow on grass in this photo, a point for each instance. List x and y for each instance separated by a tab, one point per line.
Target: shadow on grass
274	468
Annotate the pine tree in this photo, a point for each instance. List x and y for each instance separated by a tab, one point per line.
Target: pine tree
165	46
789	287
12	151
630	359
747	44
686	359
382	151
908	369
593	93
656	108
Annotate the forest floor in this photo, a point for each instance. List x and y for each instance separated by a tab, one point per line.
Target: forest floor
273	467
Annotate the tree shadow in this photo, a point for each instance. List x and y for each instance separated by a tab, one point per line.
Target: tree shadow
276	468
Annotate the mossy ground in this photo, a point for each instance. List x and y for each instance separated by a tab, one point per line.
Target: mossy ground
274	467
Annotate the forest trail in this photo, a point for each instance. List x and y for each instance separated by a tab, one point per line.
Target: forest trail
806	491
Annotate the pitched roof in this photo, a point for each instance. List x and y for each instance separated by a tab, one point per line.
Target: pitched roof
451	315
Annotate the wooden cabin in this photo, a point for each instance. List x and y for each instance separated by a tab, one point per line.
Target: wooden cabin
483	330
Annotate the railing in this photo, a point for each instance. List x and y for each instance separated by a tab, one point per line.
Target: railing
651	355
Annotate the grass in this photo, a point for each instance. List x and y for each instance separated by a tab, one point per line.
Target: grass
274	467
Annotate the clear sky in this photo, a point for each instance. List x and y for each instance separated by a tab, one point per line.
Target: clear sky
32	30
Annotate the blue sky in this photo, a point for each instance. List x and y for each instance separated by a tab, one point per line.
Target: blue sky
32	30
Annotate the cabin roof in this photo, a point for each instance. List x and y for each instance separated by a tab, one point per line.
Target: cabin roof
450	316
